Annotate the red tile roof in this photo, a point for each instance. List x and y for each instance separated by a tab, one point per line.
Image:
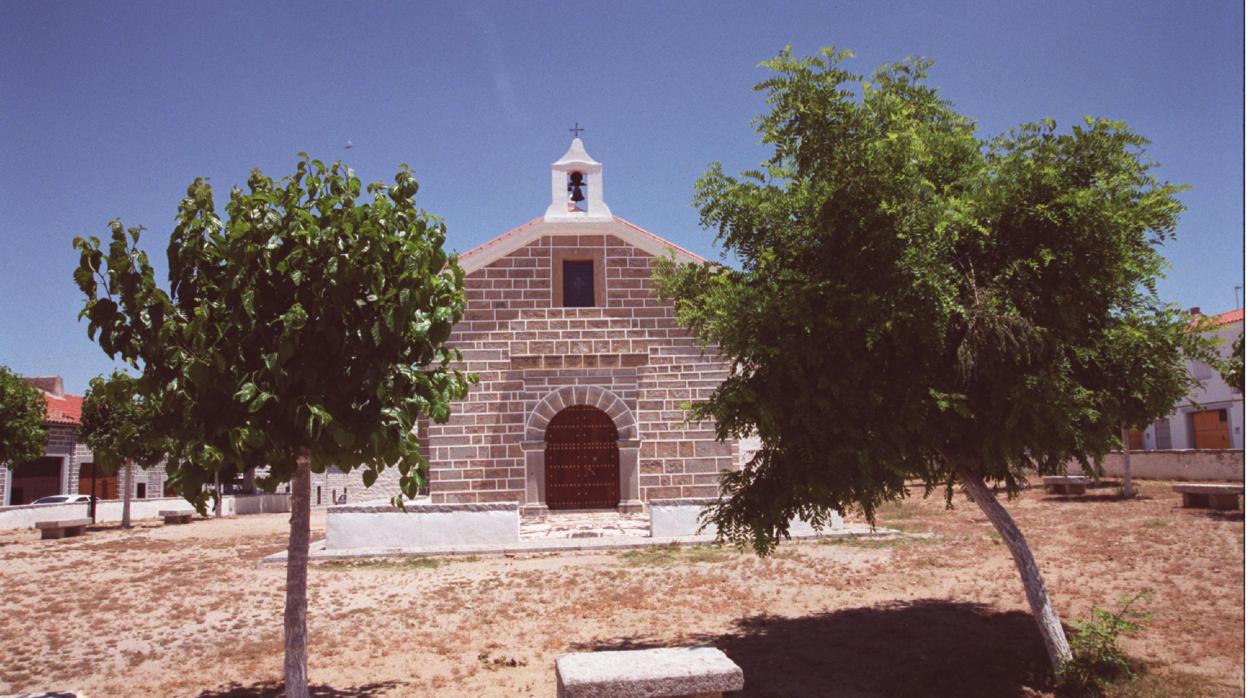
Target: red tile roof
64	409
1236	315
1230	316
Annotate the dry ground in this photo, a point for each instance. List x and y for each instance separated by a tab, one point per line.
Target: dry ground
188	611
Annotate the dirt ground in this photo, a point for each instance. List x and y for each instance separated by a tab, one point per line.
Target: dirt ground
189	611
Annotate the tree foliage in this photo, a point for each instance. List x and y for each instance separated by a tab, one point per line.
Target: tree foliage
307	327
117	424
1232	368
306	322
22	412
917	303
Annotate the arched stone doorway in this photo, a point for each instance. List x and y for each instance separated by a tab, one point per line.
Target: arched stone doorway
582	460
536	433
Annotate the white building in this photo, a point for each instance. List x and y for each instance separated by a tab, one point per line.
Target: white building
1218	421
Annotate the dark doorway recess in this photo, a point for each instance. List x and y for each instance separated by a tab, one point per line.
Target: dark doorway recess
582	460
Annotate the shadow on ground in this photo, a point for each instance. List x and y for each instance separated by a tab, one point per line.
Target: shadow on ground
273	689
1233	516
927	647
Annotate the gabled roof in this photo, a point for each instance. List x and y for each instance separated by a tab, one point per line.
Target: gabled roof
512	240
63	409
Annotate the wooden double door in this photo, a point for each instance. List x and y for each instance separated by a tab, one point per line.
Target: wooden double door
92	480
582	460
1210	429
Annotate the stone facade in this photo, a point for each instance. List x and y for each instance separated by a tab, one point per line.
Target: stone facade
62	445
629	355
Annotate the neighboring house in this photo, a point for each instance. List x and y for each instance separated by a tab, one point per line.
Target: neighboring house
67	465
1218	420
584	371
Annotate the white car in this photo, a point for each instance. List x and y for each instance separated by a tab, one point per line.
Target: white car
64	499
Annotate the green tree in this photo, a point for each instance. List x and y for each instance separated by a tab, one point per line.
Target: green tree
1232	369
117	425
915	303
307	330
22	411
1142	363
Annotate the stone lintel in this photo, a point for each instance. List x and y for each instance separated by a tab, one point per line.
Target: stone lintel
524	362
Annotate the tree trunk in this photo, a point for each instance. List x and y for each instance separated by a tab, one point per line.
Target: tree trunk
127	478
216	492
94	492
296	665
1037	596
1127	490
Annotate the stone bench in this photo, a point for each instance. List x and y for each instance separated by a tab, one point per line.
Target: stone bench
1066	484
64	528
176	516
704	672
1210	496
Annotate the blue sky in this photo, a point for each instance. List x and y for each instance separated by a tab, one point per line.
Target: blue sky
111	109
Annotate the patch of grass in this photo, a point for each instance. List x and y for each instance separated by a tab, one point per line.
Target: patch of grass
671	555
407	563
895	511
878	543
1155	523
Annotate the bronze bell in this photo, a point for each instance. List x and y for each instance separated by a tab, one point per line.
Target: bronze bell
575	181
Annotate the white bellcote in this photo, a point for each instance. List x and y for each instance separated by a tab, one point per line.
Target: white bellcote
576	188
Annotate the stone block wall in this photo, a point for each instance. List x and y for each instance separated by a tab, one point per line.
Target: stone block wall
522	349
62	443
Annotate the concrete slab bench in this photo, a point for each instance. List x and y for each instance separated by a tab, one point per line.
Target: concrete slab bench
1066	484
1210	495
176	516
704	672
64	528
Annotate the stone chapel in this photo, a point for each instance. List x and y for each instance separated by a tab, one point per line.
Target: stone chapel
583	370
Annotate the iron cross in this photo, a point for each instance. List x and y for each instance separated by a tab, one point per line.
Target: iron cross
576	129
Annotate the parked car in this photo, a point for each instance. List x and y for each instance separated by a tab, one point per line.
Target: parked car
63	499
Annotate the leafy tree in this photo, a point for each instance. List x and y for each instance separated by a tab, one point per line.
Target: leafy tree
306	330
117	425
1232	369
22	411
915	303
1143	372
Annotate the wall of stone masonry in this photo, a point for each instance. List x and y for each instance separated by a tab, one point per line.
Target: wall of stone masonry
334	483
61	444
153	478
521	348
